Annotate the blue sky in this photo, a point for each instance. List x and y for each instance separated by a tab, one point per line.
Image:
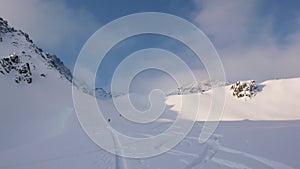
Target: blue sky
255	39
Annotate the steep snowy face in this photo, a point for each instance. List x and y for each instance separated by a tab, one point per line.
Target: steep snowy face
35	90
22	61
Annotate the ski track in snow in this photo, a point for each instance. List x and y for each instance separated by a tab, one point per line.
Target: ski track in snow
230	164
101	160
120	162
270	163
213	146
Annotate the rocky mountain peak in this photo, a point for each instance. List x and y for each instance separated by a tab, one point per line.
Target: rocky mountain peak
18	56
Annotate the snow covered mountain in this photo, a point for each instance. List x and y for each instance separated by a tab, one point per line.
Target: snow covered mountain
39	128
275	100
24	62
19	54
35	89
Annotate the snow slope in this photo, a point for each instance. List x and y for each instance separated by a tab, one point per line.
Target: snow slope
39	128
277	100
40	105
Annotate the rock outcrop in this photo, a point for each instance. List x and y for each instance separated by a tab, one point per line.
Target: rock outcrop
244	89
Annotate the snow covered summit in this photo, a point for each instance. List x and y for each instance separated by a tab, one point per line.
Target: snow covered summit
23	61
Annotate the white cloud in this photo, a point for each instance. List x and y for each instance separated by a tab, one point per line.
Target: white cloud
262	62
226	21
245	40
51	24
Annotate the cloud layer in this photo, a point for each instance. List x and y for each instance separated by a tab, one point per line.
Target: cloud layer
53	25
246	42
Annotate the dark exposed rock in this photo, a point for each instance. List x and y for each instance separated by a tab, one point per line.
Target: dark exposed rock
13	62
15	59
6	64
244	89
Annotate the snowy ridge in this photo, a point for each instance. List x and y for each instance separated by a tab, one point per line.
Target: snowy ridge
99	93
16	43
197	88
272	101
